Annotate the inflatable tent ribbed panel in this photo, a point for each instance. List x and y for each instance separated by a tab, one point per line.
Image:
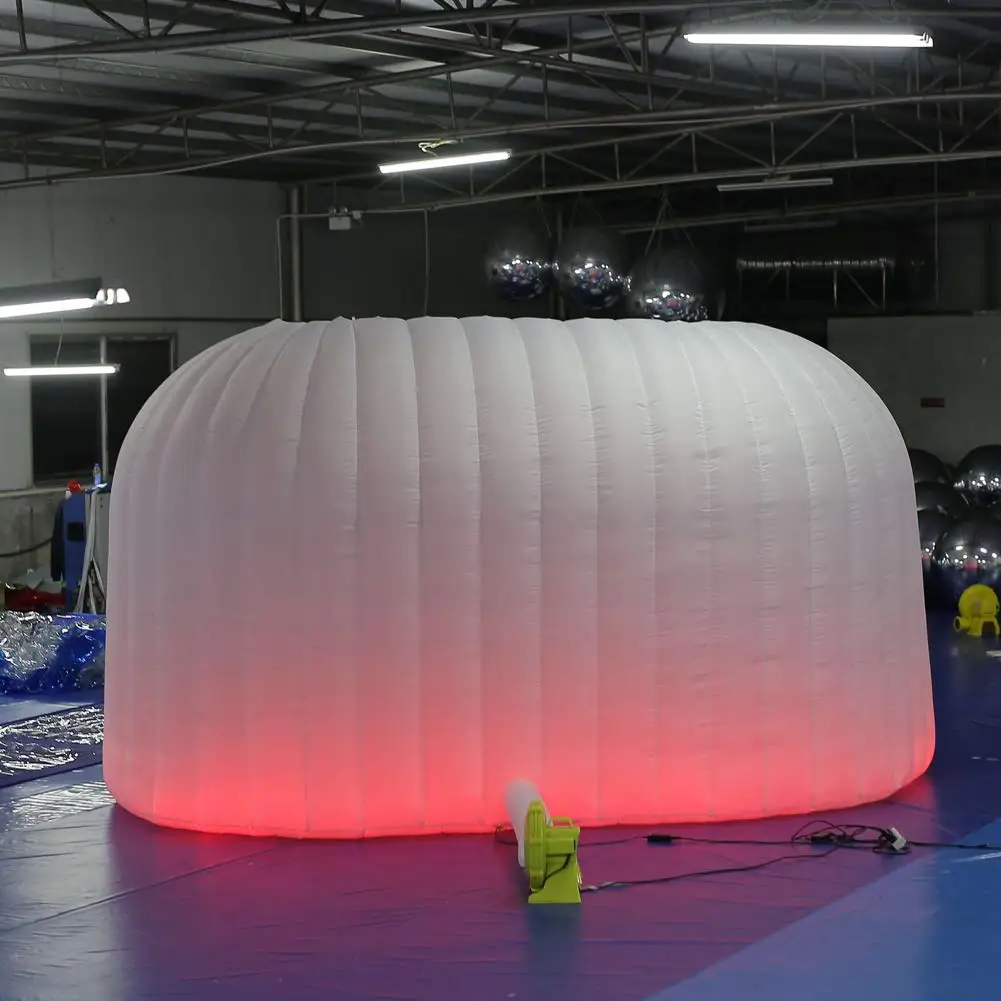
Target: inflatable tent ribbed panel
365	573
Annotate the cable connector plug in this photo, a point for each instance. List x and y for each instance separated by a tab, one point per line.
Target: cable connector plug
893	841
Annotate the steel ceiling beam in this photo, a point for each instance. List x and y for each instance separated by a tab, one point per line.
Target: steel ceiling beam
257	132
682	120
635	79
820	210
312	121
404	46
266	89
56	93
491	195
329	28
348	86
600	154
227	139
209	136
64	156
698	177
676	124
549	58
213	16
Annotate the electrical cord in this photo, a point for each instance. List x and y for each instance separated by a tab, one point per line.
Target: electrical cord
622	884
24	552
885	840
814	834
823	833
504	835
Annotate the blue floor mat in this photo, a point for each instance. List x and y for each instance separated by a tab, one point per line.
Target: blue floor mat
99	906
928	932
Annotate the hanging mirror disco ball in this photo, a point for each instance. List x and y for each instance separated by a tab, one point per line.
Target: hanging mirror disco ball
672	285
518	264
589	268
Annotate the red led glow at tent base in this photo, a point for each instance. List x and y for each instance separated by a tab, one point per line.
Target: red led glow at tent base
669	571
742	793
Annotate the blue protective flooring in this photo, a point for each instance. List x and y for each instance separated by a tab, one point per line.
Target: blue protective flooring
98	906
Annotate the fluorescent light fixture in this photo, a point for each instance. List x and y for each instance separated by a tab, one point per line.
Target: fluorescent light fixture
440	162
776	184
37	371
58	297
814	39
44	306
113	297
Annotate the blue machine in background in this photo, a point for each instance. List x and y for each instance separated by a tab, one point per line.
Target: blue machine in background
84	519
74	533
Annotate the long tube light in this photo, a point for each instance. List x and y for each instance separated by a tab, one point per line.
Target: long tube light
814	39
440	162
776	184
36	371
45	306
58	297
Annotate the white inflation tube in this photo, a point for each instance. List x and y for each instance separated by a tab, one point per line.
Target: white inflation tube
518	797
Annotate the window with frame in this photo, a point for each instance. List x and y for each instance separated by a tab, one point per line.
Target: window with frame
77	422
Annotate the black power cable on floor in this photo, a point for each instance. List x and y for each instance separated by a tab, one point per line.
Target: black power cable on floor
886	840
819	833
815	834
622	884
505	836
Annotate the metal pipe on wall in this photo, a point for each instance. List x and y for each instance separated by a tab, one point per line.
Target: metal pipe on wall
295	203
558	306
105	455
990	264
938	282
280	253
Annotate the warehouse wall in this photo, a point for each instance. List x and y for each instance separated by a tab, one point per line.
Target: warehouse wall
182	246
952	359
380	268
197	256
945	356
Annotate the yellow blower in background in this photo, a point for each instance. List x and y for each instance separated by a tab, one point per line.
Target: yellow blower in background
978	607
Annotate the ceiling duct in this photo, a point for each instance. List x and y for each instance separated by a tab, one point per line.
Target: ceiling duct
804	251
828	263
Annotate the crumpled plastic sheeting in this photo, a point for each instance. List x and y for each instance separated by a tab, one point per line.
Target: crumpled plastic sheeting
50	744
50	653
54	804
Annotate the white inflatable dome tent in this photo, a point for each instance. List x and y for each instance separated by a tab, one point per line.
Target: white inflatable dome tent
366	573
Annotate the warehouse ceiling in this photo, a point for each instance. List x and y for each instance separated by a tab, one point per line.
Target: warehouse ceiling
592	99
